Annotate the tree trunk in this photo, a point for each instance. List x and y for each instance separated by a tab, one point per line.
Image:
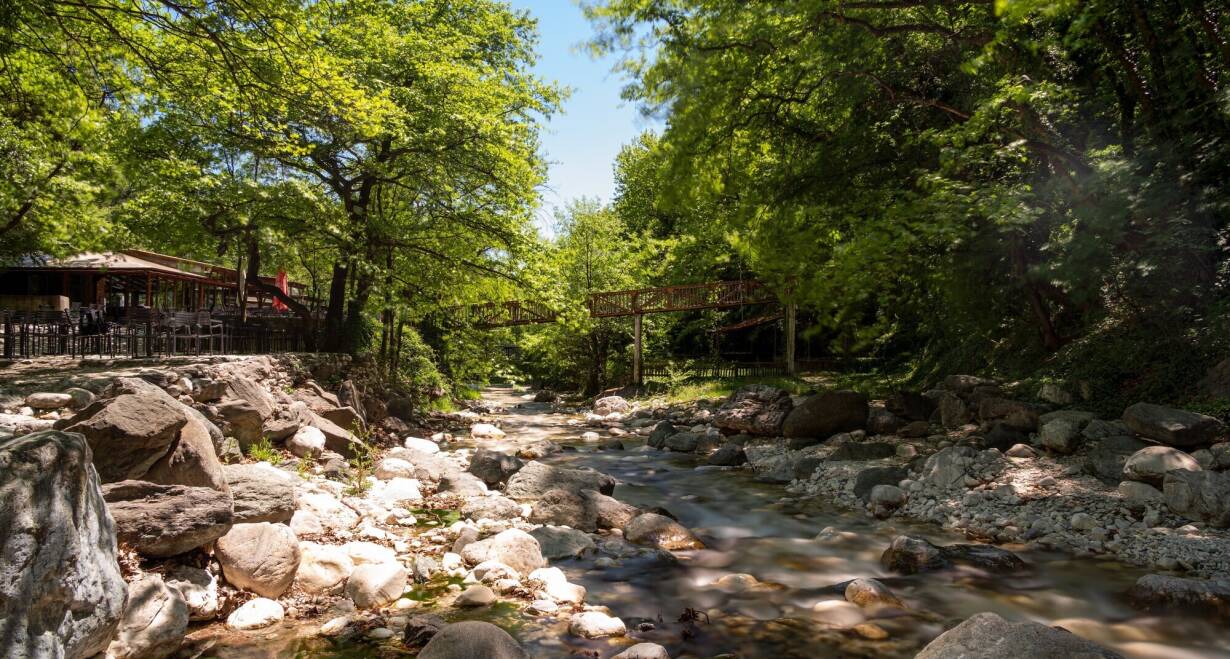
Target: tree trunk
334	316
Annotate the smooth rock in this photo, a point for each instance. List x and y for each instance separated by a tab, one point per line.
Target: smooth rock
323	569
536	478
307	442
166	520
256	614
476	595
486	431
128	434
494	467
870	592
595	624
1171	426
1202	597
825	414
376	584
472	639
260	557
199	589
988	636
261	493
653	530
559	542
1199	495
513	547
154	623
1149	465
644	651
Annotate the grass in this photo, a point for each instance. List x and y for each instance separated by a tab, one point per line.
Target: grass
263	451
362	463
723	387
874	384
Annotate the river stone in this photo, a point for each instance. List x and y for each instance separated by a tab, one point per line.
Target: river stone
728	455
337	439
662	532
428	468
462	483
1172	426
683	442
494	467
128	434
644	651
1139	496
365	553
1060	436
558	542
422	628
870	592
660	433
256	614
167	520
333	515
48	400
345	417
882	422
243	422
376	584
1204	597
494	506
564	508
19	424
307	442
471	639
910	555
514	548
475	595
609	512
611	404
1200	495
261	493
755	409
1149	465
885	499
826	414
261	557
1106	458
1014	413
61	593
323	569
199	589
867	479
192	460
155	621
486	431
595	624
988	636
948	468
536	478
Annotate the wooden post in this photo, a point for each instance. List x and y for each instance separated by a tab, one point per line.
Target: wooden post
637	368
791	365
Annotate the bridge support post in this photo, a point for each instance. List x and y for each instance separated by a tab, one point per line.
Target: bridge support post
791	365
637	376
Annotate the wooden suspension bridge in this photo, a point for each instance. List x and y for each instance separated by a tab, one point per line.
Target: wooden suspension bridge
636	303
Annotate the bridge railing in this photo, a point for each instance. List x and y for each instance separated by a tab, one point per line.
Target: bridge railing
686	297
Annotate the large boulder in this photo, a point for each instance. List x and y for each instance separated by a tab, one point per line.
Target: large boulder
191	461
1014	413
61	593
826	414
251	392
1105	460
662	532
514	548
660	433
560	507
954	412
610	404
609	512
535	479
337	439
155	621
376	584
1149	465
1171	426
558	542
199	588
911	555
1205	597
988	636
128	434
323	569
261	557
493	506
1200	495
755	409
242	421
261	493
166	520
494	467
471	639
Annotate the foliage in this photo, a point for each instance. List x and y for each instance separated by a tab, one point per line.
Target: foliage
262	450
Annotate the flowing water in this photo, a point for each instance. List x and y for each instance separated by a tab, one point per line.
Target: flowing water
749	528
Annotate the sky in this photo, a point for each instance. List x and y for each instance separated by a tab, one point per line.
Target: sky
580	144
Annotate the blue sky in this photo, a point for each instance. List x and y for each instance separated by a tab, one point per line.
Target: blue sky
581	143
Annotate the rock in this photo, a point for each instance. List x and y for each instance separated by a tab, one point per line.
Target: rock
491	507
191	460
1204	597
609	513
728	455
867	479
307	442
885	499
1172	426
754	409
486	431
556	587
128	434
423	445
1054	393
20	424
476	595
644	651
948	468
166	520
1107	457
535	478
365	553
256	614
837	614
61	593
81	398
870	592
882	422
954	413
246	389
1149	465
345	417
1021	451
243	422
595	624
860	451
653	530
1013	413
48	401
539	449
376	584
660	433
557	542
988	636
154	623
390	468
611	404
910	406
683	442
332	514
422	628
1139	496
1078	418
514	548
323	569
545	396
564	508
462	483
472	639
1199	495
1060	436
826	414
261	557
910	555
1216	383
428	468
199	589
261	493
494	467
